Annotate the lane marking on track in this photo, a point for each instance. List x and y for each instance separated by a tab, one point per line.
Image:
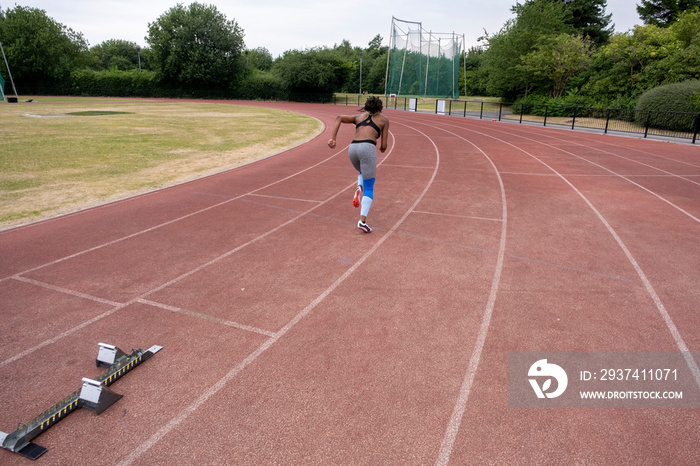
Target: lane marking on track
283	198
455	421
626	178
441	214
221	383
663	312
664	172
199	315
453	427
175	280
170	222
65	290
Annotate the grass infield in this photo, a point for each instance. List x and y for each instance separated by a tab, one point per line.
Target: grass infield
59	155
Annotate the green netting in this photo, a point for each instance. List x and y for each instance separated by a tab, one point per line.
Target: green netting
2	88
423	63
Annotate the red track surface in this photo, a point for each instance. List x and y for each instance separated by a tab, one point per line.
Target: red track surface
289	337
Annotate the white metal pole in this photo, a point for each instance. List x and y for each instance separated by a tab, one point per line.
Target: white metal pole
464	51
8	70
453	66
427	63
388	58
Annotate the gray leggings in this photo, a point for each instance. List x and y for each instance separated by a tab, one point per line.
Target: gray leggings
363	156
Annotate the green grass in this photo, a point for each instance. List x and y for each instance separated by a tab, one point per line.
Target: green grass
51	163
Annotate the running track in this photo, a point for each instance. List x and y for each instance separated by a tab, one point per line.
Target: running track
289	337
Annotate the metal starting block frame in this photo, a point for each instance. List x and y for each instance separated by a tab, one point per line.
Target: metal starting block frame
93	395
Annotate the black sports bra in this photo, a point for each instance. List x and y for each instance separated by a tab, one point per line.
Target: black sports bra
369	122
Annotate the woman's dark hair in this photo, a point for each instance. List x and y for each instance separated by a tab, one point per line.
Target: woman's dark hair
373	105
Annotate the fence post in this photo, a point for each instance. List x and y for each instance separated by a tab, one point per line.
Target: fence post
646	126
546	111
573	122
697	127
500	111
607	120
481	112
522	110
346	100
465	109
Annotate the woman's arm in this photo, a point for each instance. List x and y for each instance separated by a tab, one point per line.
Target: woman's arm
336	126
385	135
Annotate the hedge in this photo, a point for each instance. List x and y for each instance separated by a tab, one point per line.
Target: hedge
670	105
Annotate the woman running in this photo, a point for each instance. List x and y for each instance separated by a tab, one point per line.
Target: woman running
369	126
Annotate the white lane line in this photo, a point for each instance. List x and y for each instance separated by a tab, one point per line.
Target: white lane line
199	315
284	198
187	274
61	335
446	448
455	421
673	330
65	290
141	232
442	214
626	178
221	383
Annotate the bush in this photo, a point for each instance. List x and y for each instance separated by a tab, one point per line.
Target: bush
674	101
559	106
260	85
114	83
696	101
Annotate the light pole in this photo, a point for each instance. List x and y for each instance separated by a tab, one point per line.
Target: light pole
360	73
138	51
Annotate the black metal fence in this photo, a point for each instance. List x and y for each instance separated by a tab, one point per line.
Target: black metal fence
681	125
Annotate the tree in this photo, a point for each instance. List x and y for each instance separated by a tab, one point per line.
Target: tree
119	54
259	58
42	52
346	50
556	60
649	57
535	20
376	43
588	19
196	46
374	81
313	73
475	78
664	12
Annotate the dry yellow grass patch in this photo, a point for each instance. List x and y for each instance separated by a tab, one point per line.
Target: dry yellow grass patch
52	164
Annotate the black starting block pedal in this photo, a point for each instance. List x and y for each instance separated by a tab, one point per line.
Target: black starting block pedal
93	395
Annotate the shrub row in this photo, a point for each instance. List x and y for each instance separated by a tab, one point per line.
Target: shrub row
114	83
675	101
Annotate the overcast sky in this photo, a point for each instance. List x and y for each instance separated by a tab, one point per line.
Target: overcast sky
280	25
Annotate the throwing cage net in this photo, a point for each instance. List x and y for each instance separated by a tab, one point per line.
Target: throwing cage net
422	63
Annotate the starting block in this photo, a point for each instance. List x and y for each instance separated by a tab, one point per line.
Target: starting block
108	355
96	397
93	395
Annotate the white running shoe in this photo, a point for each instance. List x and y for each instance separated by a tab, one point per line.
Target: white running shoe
363	226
